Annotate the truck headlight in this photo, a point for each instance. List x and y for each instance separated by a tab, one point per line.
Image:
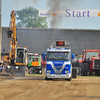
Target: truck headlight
48	71
66	71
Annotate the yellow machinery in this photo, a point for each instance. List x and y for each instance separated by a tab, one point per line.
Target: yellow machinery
12	37
18	56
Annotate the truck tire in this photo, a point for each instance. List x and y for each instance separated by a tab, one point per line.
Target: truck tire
32	70
73	63
78	64
47	78
86	66
92	73
82	69
98	73
74	73
69	79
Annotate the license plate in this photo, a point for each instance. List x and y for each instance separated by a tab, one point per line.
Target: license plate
58	75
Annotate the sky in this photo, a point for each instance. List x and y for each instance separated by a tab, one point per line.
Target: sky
58	22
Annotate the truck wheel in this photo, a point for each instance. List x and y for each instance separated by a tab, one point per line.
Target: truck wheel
47	78
32	70
86	66
87	73
74	73
69	79
73	63
78	64
98	73
82	69
92	73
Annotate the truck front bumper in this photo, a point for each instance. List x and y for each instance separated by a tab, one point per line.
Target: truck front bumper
61	76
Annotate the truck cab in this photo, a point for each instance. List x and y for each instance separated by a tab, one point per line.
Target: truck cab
58	62
34	63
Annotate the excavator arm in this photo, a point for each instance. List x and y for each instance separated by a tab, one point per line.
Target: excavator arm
11	33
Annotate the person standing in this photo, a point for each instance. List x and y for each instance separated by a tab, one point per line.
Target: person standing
1	66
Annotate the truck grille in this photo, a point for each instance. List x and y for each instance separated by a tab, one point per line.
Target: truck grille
58	69
97	64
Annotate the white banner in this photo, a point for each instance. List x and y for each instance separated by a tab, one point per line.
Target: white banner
69	13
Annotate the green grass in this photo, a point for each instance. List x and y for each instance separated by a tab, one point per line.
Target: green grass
90	76
0	76
34	75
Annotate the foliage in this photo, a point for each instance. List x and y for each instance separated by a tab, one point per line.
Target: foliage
28	17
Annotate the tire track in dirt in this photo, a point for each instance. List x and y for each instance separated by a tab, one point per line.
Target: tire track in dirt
39	89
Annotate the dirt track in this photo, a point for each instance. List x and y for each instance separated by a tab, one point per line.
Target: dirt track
36	88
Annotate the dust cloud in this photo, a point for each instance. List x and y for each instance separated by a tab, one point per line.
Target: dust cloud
55	22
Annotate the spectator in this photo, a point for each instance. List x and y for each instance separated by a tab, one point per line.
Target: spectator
1	66
43	63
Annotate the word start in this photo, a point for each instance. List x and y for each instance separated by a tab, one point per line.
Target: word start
72	13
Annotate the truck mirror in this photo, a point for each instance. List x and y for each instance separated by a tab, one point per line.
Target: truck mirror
73	56
43	56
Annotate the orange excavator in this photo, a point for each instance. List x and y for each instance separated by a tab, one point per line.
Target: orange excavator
18	56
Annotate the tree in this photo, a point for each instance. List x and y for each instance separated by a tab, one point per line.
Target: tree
28	17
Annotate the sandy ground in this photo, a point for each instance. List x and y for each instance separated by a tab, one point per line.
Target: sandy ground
36	88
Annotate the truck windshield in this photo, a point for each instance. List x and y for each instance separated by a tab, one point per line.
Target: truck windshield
58	56
92	54
30	58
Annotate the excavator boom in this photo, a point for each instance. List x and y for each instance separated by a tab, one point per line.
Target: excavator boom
12	38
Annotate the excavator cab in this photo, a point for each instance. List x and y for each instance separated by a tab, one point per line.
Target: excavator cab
22	55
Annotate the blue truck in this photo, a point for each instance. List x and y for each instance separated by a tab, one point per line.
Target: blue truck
58	62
